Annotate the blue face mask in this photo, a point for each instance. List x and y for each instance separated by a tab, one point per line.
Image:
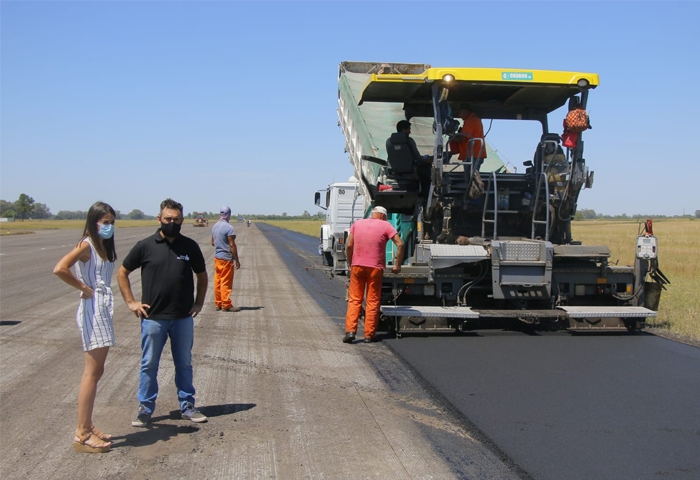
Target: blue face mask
106	231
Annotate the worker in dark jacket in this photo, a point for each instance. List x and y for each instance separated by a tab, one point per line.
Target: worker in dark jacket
403	156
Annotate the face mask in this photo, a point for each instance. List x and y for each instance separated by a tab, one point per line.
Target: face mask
106	231
170	229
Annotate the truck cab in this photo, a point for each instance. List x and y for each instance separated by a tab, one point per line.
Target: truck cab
343	205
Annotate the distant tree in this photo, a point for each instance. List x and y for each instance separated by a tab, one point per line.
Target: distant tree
587	213
24	206
136	215
697	213
68	215
321	215
118	215
9	213
41	211
306	214
5	205
284	214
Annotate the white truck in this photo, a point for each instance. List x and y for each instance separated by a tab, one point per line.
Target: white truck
343	205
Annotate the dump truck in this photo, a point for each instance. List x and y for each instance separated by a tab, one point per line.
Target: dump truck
343	205
486	245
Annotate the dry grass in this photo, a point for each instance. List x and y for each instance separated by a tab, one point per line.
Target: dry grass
19	227
679	246
307	227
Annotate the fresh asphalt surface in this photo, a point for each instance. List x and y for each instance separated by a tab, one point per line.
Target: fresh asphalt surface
558	405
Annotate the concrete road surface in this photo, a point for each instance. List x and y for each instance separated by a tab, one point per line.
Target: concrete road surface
285	398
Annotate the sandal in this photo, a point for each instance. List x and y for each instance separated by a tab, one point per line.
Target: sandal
83	444
105	437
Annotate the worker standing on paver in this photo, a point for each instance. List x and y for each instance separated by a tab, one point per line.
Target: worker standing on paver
366	254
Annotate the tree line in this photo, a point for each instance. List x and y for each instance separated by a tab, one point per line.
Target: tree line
26	208
590	214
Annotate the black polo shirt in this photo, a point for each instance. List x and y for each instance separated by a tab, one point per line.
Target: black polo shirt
167	282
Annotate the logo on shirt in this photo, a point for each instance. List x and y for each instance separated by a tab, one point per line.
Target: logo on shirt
184	257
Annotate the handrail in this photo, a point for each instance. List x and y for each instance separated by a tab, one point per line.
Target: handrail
484	220
542	179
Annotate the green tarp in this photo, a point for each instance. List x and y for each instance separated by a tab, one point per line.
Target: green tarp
375	122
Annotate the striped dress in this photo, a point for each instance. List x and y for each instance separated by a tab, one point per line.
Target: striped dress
95	314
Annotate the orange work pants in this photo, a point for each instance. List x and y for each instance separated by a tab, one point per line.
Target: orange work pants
361	278
223	283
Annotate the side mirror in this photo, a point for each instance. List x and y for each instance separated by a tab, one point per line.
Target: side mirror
317	200
527	163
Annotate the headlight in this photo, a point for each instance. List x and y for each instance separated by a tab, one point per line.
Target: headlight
583	83
448	78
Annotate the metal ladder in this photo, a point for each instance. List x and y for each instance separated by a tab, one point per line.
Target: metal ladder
494	196
542	183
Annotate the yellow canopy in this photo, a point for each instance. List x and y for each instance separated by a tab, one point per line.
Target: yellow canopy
493	92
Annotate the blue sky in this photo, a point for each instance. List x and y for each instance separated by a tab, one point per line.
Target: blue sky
234	102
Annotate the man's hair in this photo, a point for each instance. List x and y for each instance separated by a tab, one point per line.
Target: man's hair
171	204
403	125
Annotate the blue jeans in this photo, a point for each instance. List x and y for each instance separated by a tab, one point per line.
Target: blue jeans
154	334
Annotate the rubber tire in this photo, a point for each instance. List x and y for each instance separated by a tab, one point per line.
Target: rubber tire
328	259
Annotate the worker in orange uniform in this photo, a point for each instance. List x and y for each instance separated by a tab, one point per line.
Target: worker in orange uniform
366	255
472	129
223	239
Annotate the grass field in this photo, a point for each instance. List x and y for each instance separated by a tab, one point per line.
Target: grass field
28	226
307	227
679	260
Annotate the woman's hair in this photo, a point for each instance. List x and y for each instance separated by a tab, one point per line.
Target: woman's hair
106	247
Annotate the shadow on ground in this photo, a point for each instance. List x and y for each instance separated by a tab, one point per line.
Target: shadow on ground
158	431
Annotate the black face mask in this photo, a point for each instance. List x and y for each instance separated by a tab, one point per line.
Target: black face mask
171	229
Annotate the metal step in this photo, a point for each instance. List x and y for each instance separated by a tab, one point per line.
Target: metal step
608	312
520	313
427	312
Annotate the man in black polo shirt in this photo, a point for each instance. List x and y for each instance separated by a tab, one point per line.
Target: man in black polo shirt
167	307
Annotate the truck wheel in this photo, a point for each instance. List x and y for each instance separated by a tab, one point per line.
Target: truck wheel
328	259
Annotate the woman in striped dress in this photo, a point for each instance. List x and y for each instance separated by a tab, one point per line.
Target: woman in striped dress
93	258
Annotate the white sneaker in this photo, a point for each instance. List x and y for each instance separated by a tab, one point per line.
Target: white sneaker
191	413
